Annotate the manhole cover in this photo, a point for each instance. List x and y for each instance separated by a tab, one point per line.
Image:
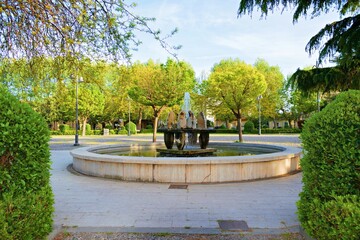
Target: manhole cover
232	225
178	186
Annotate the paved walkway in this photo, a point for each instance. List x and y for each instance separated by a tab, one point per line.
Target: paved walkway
93	204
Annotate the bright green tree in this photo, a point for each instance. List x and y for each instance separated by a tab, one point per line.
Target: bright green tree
234	85
91	103
160	85
271	97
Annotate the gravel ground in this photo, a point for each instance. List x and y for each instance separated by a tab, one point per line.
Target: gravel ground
168	236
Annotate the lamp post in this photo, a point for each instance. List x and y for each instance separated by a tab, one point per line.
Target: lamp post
259	98
77	112
129	117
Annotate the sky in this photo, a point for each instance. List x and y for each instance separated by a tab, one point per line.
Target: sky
210	30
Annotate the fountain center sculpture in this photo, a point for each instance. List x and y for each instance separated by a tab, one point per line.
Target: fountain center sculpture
186	124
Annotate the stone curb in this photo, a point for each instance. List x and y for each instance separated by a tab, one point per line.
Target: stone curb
209	231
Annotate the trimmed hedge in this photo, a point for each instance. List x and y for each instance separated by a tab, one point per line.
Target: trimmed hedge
263	131
147	130
249	127
64	127
26	199
132	127
331	170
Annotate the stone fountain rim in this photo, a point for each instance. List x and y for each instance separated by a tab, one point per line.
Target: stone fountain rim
90	153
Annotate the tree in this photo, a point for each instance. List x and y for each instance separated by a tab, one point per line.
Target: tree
336	41
91	103
233	84
161	85
98	29
271	97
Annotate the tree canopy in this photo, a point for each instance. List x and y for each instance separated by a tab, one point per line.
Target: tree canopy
337	41
97	29
161	85
234	85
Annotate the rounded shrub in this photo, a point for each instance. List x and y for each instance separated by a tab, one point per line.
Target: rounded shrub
64	127
26	199
249	127
132	127
331	169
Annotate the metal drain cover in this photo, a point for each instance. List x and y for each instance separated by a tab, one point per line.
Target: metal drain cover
233	225
178	186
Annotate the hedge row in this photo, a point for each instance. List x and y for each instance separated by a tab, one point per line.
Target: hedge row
264	130
26	198
329	205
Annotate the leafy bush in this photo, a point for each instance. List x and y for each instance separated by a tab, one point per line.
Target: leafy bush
249	127
64	127
331	141
122	132
149	126
219	130
147	130
132	127
279	130
338	218
26	199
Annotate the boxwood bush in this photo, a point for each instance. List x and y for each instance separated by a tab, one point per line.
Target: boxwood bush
26	199
64	127
249	127
132	127
329	202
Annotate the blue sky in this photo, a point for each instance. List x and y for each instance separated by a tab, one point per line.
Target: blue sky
210	31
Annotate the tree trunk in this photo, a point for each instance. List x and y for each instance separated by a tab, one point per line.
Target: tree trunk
139	120
240	129
84	127
156	119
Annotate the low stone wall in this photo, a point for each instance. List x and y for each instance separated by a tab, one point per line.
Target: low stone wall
88	161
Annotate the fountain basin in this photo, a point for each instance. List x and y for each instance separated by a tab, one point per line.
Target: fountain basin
276	161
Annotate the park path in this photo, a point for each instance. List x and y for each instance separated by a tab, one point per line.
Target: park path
88	204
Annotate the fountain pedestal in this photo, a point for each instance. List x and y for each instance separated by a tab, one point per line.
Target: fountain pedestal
178	136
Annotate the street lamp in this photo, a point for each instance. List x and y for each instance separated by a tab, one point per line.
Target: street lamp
77	113
259	98
129	117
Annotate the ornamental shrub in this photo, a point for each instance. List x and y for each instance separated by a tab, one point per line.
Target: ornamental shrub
249	127
64	127
26	199
132	127
331	169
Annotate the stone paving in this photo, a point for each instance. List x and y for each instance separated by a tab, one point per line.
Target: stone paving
93	204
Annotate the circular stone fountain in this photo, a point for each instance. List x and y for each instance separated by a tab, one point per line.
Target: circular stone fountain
184	165
276	161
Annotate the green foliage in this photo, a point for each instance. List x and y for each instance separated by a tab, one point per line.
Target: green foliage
234	86
132	127
64	127
149	127
249	126
147	130
331	161
274	80
279	130
122	132
99	29
160	85
26	199
338	218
